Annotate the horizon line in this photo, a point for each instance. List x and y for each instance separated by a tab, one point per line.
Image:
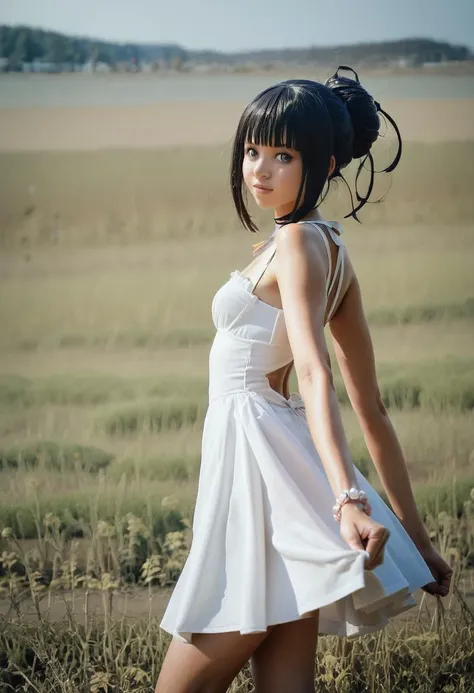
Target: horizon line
238	52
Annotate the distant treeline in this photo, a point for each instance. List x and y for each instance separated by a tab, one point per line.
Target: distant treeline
21	45
413	52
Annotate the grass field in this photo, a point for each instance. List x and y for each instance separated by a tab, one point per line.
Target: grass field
108	267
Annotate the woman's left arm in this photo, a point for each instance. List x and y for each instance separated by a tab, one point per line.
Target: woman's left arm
301	275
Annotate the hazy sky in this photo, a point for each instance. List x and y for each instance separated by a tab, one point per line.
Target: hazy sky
233	25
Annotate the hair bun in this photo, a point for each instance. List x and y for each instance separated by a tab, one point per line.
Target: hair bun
363	110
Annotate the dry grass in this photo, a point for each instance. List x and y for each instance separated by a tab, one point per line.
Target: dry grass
129	197
95	647
107	275
106	343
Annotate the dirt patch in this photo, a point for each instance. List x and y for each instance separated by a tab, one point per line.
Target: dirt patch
198	123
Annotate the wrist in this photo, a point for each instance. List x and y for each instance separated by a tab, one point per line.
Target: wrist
357	505
351	496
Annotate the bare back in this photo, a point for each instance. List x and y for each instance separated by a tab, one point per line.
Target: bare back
268	293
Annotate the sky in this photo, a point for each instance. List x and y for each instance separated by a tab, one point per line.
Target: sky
239	25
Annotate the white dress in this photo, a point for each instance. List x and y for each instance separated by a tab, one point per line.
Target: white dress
266	548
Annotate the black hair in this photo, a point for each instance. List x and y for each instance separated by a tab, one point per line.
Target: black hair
337	118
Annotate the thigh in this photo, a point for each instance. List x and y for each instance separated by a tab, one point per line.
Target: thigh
285	660
209	664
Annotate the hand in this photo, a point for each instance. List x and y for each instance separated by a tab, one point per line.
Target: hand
361	532
440	570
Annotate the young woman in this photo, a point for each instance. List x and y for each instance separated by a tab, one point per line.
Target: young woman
289	539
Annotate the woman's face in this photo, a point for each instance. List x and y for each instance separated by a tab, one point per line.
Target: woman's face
273	176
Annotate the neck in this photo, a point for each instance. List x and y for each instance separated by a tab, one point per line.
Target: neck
313	214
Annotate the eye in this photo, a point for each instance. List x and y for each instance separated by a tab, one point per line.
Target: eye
250	151
287	157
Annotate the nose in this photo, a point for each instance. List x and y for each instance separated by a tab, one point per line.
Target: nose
261	168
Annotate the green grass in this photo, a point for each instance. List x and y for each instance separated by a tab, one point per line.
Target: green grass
54	457
92	390
153	417
422	314
78	510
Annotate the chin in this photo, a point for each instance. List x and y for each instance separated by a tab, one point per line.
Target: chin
264	205
265	201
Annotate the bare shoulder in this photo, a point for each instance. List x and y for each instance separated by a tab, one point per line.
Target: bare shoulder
298	232
290	235
299	241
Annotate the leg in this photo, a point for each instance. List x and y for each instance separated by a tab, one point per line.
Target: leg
285	660
209	664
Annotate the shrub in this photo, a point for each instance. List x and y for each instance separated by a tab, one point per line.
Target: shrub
55	456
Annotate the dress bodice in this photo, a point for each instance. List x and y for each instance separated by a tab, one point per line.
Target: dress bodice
251	338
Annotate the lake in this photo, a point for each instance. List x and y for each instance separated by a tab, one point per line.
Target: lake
81	89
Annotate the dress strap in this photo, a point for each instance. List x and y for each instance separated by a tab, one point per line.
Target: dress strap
339	264
265	267
341	276
326	243
339	261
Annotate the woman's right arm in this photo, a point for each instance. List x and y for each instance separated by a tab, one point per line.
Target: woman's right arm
355	355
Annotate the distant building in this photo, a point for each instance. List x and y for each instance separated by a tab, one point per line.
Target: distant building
90	66
435	63
147	67
406	61
39	65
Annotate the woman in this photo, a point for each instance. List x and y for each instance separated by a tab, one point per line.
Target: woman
274	560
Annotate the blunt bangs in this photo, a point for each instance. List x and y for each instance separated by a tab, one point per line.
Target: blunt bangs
270	121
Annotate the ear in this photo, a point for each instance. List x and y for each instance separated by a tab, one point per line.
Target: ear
332	164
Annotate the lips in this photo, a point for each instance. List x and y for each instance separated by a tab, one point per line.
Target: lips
262	187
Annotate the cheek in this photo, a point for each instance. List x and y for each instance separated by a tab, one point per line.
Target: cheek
247	170
292	176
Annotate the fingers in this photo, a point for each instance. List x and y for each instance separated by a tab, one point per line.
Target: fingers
442	574
376	546
442	580
446	579
435	589
444	586
440	587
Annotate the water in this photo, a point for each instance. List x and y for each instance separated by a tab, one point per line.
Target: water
70	90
